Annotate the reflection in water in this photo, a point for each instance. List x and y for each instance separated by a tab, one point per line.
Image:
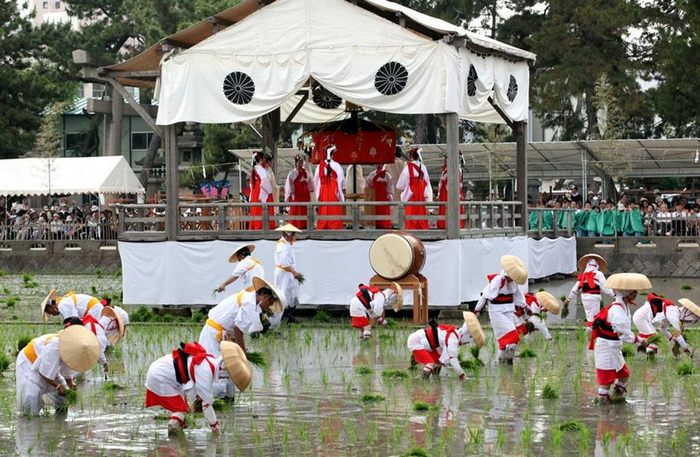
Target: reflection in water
308	402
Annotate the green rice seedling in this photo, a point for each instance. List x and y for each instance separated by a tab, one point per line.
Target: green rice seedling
685	369
476	436
557	435
11	302
71	397
386	337
143	314
416	452
571	426
500	437
363	369
679	440
527	353
628	350
22	342
111	385
5	290
371	398
422	406
394	373
475	353
4	362
99	273
584	440
2	273
526	437
413	364
549	392
686	287
257	358
322	316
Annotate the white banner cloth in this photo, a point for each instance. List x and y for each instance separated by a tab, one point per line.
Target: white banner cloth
550	256
186	273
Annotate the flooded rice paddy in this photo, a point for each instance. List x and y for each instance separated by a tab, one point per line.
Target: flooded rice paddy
326	393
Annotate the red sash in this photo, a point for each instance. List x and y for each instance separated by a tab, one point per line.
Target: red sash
184	352
366	294
602	328
500	299
432	335
587	284
90	322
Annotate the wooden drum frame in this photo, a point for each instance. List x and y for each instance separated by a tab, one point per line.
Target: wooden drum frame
396	255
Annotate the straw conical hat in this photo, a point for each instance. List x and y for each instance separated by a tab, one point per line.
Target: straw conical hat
288	228
474	328
44	302
236	364
549	301
279	305
123	314
78	348
112	314
515	268
692	307
232	258
602	263
398	303
628	281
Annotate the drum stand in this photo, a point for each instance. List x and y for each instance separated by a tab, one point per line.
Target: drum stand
419	284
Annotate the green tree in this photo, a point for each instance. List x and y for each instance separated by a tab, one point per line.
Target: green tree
29	79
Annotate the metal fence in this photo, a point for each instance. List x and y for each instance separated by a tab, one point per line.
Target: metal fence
563	222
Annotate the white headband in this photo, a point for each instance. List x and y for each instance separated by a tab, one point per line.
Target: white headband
329	151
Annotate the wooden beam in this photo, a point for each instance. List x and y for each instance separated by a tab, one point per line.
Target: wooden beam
296	109
502	113
172	183
453	178
115	136
134	104
129	74
95	105
520	131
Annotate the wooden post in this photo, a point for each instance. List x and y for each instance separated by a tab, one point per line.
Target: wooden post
520	131
452	213
115	135
172	182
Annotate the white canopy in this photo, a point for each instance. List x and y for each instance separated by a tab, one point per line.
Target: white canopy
355	54
79	175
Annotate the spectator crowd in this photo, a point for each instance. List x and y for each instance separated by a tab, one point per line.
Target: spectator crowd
61	220
661	215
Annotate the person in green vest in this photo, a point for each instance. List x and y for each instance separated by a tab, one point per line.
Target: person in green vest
607	223
636	220
624	226
581	219
563	221
592	222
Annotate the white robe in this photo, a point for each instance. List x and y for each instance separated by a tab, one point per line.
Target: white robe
502	316
30	386
608	353
284	280
535	320
289	183
266	187
591	302
376	304
388	180
340	177
246	269
448	350
76	305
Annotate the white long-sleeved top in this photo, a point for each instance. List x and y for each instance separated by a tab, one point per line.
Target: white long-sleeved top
285	280
247	317
48	363
403	183
100	333
539	323
266	187
608	353
670	318
289	183
246	269
162	381
500	285
387	180
340	178
76	305
225	312
599	280
376	304
448	345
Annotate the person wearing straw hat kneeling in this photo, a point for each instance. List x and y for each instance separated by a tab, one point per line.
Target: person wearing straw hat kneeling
287	278
71	305
532	317
246	267
367	306
658	313
438	345
591	282
44	366
503	295
98	329
612	327
189	371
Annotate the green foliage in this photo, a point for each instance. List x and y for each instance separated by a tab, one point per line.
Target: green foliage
363	369
143	314
322	316
416	452
71	396
685	369
256	358
422	406
686	287
371	398
393	373
4	362
549	392
572	426
628	350
22	342
527	353
112	386
11	302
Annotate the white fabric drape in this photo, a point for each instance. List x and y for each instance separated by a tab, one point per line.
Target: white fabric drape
257	64
550	256
186	272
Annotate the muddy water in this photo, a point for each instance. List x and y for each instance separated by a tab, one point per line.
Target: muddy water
309	402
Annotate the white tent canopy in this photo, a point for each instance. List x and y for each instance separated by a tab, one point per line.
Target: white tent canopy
262	61
80	175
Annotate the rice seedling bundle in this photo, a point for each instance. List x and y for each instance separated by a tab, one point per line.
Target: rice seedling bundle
549	392
257	358
363	369
527	353
416	452
422	406
371	398
685	369
394	373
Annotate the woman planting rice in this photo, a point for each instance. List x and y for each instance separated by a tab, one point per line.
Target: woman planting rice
367	306
190	372
246	267
71	305
658	313
611	328
591	282
503	295
532	316
44	366
438	345
287	278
